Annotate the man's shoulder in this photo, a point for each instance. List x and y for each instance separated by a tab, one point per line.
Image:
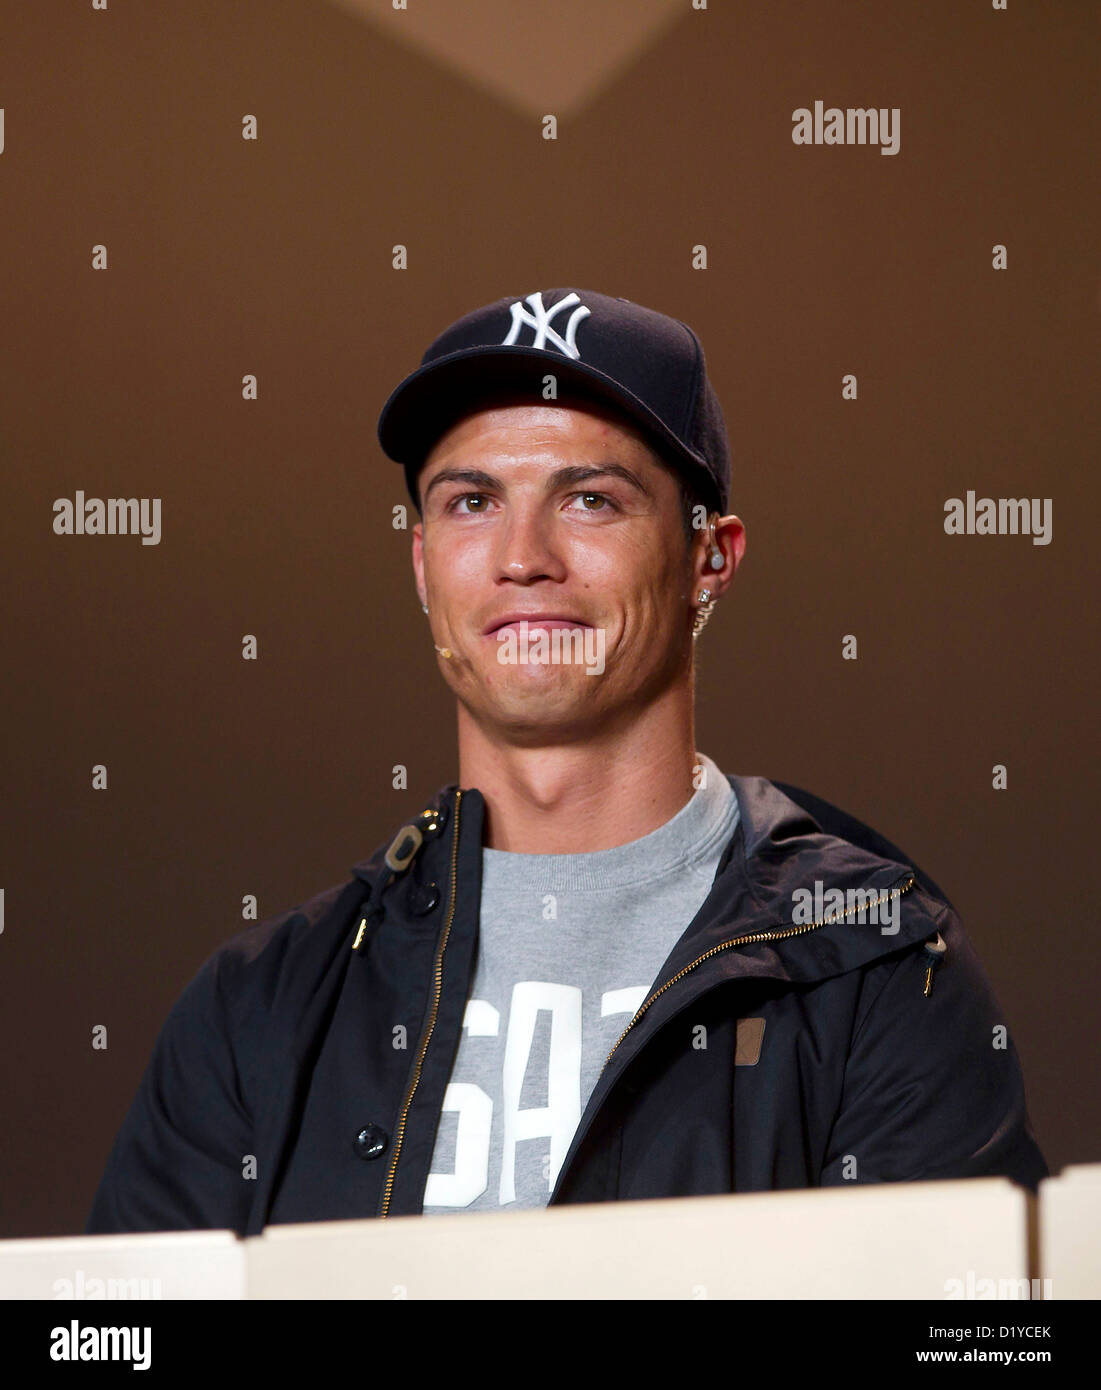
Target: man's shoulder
283	959
280	964
269	941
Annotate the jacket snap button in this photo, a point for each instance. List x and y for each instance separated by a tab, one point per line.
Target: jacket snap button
371	1141
425	899
433	820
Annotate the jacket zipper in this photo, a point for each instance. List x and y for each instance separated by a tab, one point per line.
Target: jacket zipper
438	986
750	940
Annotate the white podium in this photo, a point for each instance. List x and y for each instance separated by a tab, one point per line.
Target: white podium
177	1264
1070	1231
939	1241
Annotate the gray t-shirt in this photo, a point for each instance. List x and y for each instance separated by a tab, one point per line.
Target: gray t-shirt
569	947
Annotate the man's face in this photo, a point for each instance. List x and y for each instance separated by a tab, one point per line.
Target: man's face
553	511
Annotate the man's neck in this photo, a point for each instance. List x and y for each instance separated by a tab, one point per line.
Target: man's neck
580	797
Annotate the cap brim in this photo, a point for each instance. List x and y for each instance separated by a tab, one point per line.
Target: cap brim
425	405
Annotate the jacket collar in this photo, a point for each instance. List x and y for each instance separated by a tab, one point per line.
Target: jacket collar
777	851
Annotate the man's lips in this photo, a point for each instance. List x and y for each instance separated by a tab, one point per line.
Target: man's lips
547	620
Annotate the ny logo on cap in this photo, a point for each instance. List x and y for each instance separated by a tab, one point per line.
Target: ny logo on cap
540	322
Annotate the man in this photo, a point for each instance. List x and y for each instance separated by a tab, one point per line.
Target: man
596	968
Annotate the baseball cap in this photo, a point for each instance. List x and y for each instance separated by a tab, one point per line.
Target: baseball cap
647	365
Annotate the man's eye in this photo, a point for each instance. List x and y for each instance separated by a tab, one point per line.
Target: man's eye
466	497
606	502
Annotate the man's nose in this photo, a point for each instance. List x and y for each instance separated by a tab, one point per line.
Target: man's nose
527	549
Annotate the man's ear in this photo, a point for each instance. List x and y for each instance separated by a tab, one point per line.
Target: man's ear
418	561
733	529
729	541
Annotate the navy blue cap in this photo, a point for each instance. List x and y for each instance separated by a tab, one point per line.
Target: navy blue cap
648	366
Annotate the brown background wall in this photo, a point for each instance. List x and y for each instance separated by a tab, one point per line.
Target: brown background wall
274	257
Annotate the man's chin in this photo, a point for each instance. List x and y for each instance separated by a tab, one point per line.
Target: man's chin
529	705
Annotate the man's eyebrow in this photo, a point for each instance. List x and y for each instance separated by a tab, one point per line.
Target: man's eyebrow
561	477
474	476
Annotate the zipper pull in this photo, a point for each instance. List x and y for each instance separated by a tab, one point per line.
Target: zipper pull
367	918
935	949
369	913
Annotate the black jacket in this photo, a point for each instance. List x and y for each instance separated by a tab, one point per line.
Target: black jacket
276	1093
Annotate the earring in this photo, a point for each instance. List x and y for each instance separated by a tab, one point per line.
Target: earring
445	652
424	606
707	605
716	561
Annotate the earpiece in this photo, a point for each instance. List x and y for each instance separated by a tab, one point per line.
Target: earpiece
717	560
